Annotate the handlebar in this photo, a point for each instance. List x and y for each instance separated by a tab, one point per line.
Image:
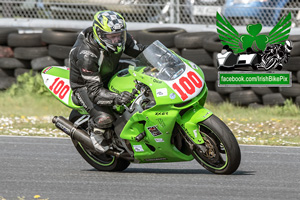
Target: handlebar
134	92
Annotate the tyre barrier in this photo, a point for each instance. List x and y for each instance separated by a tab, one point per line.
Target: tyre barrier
4	32
20	53
165	35
60	36
25	40
244	97
273	99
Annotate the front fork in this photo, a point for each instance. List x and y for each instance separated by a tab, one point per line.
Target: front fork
189	122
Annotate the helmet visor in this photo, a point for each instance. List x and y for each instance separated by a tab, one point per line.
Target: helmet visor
115	38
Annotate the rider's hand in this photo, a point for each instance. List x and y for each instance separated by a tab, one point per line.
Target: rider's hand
124	98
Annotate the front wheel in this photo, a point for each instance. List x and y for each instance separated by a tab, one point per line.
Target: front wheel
220	153
101	162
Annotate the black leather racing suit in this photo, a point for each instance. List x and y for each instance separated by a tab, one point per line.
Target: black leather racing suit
90	71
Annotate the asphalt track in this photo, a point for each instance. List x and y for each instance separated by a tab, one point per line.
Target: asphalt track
50	168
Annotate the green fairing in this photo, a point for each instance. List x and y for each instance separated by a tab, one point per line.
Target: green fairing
189	122
120	84
58	72
64	73
164	123
126	83
134	126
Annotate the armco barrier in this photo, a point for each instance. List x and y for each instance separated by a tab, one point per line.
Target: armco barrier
22	52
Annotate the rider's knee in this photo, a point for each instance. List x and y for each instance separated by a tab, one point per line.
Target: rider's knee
103	121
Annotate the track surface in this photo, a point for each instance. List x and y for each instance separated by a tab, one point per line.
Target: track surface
52	169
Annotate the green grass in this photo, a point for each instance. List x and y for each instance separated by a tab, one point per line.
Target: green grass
31	105
30	115
227	110
278	125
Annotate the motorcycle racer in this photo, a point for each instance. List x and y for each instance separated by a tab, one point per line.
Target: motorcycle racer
94	59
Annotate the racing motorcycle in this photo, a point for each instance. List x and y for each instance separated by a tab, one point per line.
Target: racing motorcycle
166	122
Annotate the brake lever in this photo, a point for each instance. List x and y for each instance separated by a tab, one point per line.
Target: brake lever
126	108
134	91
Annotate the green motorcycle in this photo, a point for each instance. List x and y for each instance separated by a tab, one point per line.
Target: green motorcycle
166	122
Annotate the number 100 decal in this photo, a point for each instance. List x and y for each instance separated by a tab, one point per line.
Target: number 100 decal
59	88
188	85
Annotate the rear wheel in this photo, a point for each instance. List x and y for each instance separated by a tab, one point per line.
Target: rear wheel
220	153
101	162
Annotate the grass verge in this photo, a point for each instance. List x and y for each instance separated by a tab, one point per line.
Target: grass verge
278	125
30	114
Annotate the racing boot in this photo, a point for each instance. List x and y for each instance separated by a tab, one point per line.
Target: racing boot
99	140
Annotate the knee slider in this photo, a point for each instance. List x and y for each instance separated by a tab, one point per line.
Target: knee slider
103	121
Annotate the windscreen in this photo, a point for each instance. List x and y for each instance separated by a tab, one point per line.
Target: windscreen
160	62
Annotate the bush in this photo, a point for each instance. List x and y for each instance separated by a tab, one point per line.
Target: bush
29	83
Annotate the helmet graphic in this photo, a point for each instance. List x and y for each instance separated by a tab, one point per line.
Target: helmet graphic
109	30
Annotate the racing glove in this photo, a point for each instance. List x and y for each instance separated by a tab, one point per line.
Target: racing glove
124	98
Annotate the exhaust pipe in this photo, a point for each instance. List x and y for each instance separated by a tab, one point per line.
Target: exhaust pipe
81	136
77	134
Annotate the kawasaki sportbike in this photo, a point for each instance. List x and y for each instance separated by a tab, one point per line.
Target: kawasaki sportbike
166	122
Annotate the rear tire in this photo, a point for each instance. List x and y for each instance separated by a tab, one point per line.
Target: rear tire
223	154
101	162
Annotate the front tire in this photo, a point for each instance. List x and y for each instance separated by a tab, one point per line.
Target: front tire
101	162
222	155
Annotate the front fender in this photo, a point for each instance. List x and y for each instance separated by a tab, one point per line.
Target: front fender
190	119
